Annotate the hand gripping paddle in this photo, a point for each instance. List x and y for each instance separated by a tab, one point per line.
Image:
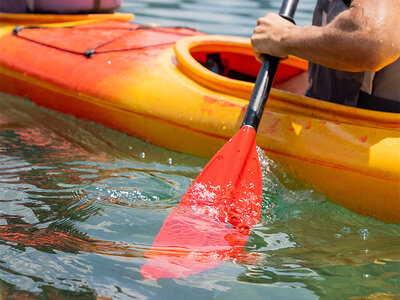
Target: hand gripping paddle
214	218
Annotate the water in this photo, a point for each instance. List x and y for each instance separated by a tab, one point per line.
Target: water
229	17
80	204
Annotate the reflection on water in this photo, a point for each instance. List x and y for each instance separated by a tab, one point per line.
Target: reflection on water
65	188
81	204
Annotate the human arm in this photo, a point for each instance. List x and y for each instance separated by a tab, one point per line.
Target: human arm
366	37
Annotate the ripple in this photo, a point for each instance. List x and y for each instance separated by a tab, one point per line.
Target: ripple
222	17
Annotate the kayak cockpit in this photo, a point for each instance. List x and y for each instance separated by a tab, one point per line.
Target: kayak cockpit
228	65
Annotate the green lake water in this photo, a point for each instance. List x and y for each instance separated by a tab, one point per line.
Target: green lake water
80	204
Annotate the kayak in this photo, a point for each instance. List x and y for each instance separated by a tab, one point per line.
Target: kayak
34	19
187	91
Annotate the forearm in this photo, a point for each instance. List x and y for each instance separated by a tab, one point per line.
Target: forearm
363	38
345	44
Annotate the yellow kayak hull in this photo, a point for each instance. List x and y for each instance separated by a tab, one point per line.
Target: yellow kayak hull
35	19
167	97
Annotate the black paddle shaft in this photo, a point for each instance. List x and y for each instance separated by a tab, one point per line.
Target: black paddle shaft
266	75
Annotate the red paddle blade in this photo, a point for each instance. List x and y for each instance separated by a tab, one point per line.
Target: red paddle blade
214	218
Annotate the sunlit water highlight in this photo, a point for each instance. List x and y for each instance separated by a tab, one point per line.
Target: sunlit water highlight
80	205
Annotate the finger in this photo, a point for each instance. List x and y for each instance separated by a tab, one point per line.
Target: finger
258	56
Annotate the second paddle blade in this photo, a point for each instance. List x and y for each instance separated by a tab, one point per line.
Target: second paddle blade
212	222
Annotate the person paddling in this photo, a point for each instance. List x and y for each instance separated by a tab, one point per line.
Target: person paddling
353	48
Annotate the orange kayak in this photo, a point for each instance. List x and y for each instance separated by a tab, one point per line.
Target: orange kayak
157	83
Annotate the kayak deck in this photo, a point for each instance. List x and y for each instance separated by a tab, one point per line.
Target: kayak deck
153	83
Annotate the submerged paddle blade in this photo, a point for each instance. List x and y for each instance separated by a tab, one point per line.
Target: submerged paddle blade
212	222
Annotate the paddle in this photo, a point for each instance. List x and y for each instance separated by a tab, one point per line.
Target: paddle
212	222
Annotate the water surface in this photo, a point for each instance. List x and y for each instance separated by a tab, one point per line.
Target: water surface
229	17
81	203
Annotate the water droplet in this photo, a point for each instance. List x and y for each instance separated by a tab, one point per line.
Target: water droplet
109	62
338	235
130	147
364	233
170	161
346	230
143	155
366	275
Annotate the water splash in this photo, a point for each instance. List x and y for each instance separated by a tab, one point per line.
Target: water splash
210	225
